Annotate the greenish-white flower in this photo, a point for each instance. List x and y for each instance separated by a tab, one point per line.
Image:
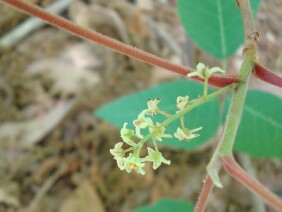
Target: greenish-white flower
133	162
153	107
200	72
127	134
182	102
159	132
156	157
117	152
142	122
187	134
204	71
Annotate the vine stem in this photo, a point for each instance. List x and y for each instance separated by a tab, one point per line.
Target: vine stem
236	109
205	192
232	167
218	80
266	75
225	147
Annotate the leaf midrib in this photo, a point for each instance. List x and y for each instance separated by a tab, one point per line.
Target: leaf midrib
221	27
262	116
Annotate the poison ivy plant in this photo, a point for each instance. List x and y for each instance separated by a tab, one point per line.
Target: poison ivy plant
260	131
214	25
127	108
167	205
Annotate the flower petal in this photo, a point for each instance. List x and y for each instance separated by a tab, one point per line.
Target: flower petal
127	134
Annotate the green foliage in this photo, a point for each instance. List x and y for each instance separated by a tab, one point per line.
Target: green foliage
214	25
126	109
167	205
260	131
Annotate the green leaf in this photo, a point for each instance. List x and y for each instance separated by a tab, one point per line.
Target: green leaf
214	25
126	109
167	205
260	131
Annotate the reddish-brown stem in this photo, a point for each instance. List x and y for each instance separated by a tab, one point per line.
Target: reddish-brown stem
204	195
266	75
216	79
233	168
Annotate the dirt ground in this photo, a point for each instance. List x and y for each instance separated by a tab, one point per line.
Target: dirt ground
54	154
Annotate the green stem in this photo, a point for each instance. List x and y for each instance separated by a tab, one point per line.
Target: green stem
226	143
206	86
164	113
155	145
182	123
128	150
237	105
195	104
225	146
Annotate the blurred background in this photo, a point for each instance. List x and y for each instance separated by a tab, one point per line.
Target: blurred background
54	153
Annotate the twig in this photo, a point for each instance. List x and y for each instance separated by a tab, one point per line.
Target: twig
31	24
267	75
87	34
239	174
225	146
236	108
258	205
46	186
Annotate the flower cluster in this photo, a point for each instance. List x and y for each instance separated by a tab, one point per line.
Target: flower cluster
129	159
